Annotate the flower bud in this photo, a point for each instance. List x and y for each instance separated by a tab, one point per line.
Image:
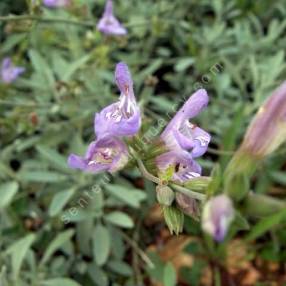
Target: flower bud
174	219
267	130
188	205
217	215
165	195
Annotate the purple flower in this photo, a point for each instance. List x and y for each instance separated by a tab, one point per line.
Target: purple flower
267	130
56	3
185	168
109	24
9	72
181	134
123	117
106	154
217	215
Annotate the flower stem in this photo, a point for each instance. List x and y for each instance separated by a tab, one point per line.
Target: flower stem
47	20
145	173
189	193
88	24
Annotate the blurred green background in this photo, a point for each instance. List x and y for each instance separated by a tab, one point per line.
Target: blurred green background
233	48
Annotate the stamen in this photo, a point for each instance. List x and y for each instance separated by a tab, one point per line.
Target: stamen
203	140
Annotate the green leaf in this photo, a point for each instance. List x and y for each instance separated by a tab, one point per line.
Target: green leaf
42	176
132	197
53	157
98	276
56	244
215	182
7	192
59	201
170	278
18	251
120	267
266	224
279	177
120	219
240	222
101	244
60	282
183	64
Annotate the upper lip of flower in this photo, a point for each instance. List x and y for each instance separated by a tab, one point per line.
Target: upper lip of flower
181	133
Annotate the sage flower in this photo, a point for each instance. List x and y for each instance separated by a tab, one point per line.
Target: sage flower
217	215
105	154
267	130
10	72
109	24
180	133
185	168
56	3
123	117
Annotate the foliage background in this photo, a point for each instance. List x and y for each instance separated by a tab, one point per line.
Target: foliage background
235	49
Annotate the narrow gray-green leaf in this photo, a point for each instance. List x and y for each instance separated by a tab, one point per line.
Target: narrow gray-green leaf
120	219
101	244
60	282
59	201
56	244
18	251
169	278
7	192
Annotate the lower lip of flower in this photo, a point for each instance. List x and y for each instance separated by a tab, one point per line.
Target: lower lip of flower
124	109
203	140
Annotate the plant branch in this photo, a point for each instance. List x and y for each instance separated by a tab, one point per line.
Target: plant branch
89	24
47	20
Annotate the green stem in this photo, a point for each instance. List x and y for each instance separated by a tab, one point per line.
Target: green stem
189	193
47	20
89	24
146	174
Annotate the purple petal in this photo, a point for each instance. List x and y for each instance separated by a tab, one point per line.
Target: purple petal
123	78
218	213
56	3
110	122
109	24
181	134
185	167
6	63
106	154
9	72
108	10
123	117
76	162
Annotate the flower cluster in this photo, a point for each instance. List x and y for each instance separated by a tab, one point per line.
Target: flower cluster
122	118
10	72
184	140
